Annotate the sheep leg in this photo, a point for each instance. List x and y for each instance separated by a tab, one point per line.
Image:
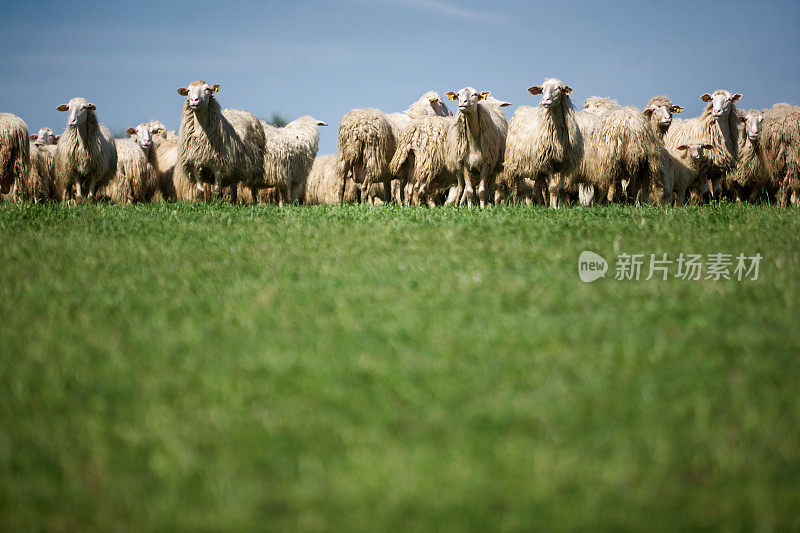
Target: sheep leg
555	185
217	187
459	190
387	191
483	188
468	190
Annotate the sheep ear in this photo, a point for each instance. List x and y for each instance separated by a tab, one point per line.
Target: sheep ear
215	88
566	89
676	109
737	97
34	137
505	104
57	137
131	131
649	111
708	147
535	90
485	94
90	107
682	147
450	95
705	97
320	123
183	91
743	118
62	107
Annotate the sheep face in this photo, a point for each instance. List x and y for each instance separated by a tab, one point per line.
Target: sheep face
551	91
437	105
752	124
45	137
468	99
198	94
695	150
142	135
721	102
158	131
78	111
662	113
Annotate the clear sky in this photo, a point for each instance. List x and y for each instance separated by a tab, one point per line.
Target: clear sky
326	57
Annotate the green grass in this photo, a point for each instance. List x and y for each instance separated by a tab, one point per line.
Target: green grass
209	367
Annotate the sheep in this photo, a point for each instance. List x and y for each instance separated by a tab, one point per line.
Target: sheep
15	157
419	160
161	149
625	150
368	137
544	142
288	155
688	162
217	147
781	140
135	180
718	125
45	137
86	154
323	186
659	111
751	176
40	183
476	142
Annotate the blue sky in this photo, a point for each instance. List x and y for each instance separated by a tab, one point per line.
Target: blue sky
326	57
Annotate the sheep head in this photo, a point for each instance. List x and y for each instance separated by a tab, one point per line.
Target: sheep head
468	99
721	103
436	105
45	137
142	135
752	124
695	149
660	109
79	110
306	120
552	91
198	94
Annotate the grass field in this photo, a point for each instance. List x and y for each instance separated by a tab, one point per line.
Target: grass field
209	367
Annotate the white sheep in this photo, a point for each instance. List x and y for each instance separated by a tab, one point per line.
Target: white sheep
476	142
40	183
135	179
420	158
625	151
753	173
718	125
323	186
368	137
781	139
544	142
15	158
288	155
659	111
86	155
690	161
45	137
217	147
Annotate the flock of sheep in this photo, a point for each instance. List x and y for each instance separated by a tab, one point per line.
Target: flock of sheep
549	154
